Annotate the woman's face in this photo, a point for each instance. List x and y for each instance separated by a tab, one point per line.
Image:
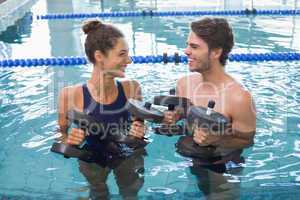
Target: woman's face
116	60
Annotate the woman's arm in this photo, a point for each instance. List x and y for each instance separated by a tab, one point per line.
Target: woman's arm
133	90
62	113
66	103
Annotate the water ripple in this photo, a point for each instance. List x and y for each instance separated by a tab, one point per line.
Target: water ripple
38	140
168	167
163	190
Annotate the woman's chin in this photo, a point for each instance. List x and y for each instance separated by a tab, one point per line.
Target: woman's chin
120	75
116	74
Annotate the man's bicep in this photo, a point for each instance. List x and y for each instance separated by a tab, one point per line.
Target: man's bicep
244	118
244	122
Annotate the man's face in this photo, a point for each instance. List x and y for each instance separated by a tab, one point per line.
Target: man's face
198	54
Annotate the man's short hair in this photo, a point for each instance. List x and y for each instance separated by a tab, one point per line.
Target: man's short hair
217	33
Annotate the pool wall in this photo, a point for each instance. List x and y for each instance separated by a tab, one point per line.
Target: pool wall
12	10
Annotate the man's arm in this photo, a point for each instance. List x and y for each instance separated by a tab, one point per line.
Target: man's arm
241	135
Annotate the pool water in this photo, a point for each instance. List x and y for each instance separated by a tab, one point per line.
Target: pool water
28	99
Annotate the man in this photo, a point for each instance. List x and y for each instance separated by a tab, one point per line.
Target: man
209	43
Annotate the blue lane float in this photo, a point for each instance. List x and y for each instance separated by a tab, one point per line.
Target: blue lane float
152	13
176	58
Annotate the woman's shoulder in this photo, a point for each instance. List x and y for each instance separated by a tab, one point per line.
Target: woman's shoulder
129	82
71	96
71	90
132	88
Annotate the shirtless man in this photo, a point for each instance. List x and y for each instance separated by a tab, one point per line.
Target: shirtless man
208	45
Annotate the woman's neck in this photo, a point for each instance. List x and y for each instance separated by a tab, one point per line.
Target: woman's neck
103	86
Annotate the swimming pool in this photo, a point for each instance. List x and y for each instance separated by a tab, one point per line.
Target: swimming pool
28	103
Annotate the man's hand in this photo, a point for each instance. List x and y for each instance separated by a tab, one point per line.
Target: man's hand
137	129
204	138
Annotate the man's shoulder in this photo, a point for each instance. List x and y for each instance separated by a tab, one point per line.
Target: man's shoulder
239	95
189	77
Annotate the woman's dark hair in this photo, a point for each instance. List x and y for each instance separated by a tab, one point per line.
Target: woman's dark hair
217	33
102	37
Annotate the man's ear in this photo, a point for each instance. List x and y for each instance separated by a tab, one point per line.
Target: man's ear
216	53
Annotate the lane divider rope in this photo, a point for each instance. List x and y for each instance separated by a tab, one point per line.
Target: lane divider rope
176	58
152	13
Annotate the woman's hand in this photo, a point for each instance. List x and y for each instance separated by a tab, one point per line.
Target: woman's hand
169	117
137	129
76	137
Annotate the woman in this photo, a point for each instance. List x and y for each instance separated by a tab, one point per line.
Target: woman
104	99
